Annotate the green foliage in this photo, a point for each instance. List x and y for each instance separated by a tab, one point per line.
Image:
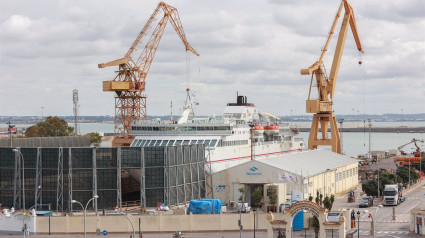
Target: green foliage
310	198
257	195
321	199
316	223
242	191
328	202
370	187
272	196
35	131
52	126
332	199
95	139
317	200
403	173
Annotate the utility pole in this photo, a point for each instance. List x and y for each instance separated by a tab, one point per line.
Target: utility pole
341	120
370	128
42	113
75	101
378	187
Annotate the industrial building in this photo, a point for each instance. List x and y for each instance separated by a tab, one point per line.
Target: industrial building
308	171
144	176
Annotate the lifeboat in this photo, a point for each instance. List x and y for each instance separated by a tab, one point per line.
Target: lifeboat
296	131
271	130
258	130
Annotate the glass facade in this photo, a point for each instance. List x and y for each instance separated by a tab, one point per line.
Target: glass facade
151	175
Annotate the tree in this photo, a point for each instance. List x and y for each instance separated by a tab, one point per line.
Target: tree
272	196
321	199
242	191
370	187
52	126
95	139
404	174
257	195
310	198
35	131
316	225
328	202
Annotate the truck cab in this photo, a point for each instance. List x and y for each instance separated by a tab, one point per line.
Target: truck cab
391	195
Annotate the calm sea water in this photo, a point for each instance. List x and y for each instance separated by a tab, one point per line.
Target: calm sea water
353	143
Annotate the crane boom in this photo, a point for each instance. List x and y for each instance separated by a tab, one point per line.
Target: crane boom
129	83
322	106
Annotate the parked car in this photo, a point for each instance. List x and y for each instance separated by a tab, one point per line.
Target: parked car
402	198
366	202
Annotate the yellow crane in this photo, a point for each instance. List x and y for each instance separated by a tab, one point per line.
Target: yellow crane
130	81
322	106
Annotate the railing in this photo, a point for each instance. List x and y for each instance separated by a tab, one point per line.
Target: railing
181	132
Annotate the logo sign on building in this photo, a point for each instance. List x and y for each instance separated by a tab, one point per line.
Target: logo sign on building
333	216
219	188
253	171
296	196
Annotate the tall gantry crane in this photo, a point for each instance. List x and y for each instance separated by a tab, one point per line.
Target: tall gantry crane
130	82
322	106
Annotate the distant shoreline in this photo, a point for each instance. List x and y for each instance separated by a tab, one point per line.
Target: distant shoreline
375	129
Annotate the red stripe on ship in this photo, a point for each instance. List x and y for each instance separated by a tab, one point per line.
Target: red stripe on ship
250	156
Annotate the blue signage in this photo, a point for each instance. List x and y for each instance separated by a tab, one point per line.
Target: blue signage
253	171
105	232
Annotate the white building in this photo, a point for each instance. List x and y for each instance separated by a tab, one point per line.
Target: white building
308	171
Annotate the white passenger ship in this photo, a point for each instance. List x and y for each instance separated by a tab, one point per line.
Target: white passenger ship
227	139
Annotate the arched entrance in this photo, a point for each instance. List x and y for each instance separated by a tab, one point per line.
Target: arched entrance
297	212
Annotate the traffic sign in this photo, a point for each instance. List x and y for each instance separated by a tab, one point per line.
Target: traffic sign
105	232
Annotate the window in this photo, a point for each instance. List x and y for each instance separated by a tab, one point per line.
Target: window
343	174
213	142
336	177
207	143
171	143
186	142
340	176
179	142
351	172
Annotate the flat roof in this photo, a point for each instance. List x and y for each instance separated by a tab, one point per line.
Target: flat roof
309	162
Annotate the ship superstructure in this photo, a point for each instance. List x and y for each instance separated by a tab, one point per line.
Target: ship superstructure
227	138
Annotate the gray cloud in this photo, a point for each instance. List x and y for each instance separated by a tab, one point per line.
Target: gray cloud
48	48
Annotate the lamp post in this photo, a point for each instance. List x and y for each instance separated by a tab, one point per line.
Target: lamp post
132	226
84	210
255	211
23	175
358	224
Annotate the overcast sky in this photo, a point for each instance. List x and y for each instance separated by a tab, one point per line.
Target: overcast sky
256	48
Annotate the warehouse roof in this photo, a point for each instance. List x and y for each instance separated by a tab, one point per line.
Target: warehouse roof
309	162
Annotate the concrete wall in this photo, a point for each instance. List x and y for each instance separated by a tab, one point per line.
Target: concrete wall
152	223
15	222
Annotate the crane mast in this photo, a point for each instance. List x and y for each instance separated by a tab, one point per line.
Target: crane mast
322	106
130	81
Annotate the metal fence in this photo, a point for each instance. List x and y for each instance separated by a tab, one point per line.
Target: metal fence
57	141
150	175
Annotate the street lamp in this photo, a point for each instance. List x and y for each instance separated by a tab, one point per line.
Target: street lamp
132	226
255	211
358	224
23	175
84	210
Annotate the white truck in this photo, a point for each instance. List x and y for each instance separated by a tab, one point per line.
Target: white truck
391	195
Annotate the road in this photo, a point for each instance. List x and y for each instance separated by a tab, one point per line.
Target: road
385	226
